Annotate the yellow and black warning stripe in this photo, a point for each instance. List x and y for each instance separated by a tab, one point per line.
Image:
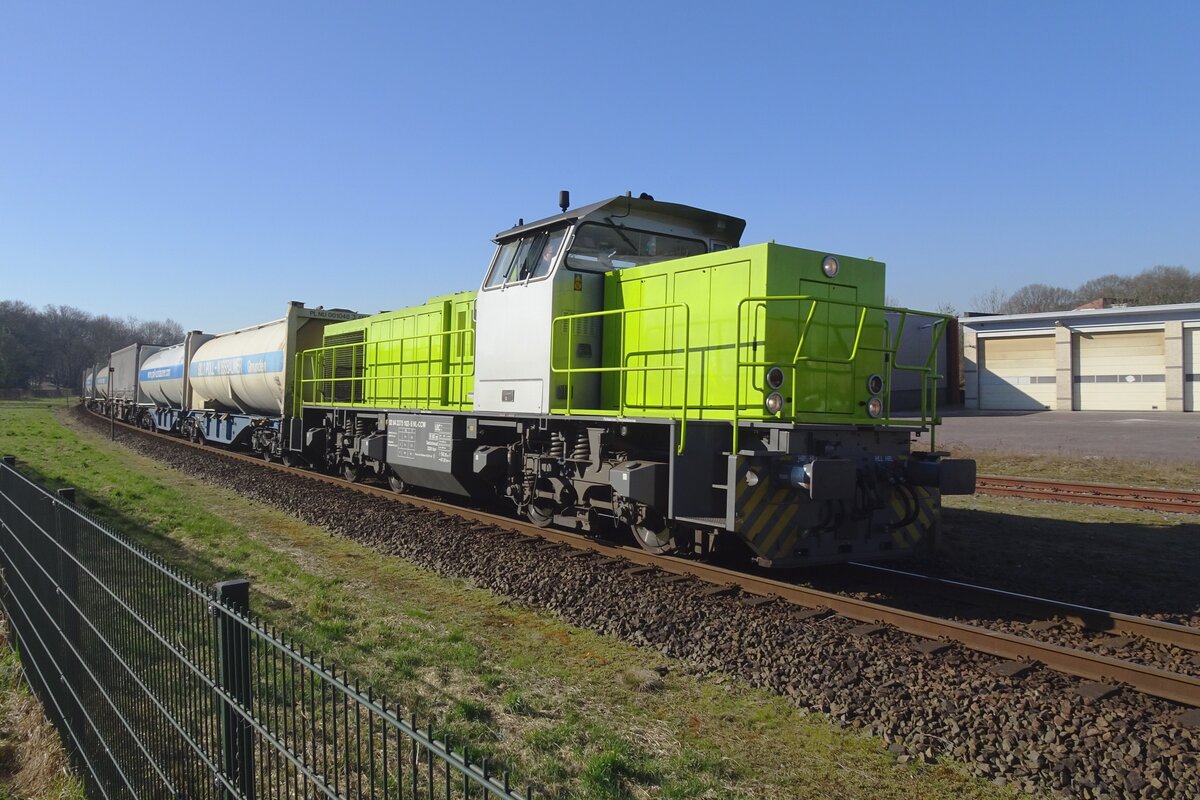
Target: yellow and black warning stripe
925	521
766	513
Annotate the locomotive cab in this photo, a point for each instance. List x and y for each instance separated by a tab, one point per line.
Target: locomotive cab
555	267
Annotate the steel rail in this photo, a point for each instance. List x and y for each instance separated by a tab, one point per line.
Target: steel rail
1172	686
1095	494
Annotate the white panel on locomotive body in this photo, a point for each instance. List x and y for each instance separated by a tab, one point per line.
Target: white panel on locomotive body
555	267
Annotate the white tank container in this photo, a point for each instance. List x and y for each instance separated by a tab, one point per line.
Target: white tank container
89	389
161	377
101	381
242	370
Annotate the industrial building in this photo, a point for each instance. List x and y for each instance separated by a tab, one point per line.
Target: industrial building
1134	358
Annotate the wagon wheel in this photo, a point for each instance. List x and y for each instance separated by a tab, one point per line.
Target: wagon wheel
653	532
351	473
396	483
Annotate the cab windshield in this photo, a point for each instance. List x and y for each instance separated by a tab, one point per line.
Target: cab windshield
532	256
603	248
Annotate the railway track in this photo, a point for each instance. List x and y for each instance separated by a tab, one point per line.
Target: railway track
1093	494
1021	652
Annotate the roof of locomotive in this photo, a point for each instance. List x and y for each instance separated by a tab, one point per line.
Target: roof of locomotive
709	220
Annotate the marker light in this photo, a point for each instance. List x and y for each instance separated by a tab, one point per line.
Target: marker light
830	267
875	384
774	403
875	407
775	377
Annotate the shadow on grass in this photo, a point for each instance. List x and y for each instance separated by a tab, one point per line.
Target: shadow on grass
188	562
1119	566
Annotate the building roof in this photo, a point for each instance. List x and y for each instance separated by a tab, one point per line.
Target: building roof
1174	311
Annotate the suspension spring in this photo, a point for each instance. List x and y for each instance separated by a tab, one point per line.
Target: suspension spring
583	448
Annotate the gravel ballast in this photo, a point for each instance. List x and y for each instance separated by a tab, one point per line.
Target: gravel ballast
1034	730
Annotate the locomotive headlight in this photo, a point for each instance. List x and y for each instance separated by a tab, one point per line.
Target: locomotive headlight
875	407
774	403
775	377
830	267
875	384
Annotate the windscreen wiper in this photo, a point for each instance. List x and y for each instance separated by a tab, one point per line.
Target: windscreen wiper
633	248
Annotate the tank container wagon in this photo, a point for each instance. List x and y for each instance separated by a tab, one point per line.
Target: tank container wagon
126	399
99	387
630	364
231	388
87	386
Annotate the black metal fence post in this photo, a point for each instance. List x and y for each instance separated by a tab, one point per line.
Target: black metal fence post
233	660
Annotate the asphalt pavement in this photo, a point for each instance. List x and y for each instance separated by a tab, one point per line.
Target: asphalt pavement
1163	435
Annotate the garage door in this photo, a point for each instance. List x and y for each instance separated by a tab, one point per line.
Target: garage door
1191	369
1017	373
1120	372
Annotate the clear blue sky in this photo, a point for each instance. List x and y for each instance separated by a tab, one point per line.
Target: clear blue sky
210	161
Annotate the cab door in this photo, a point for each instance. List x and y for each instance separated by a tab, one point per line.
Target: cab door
514	311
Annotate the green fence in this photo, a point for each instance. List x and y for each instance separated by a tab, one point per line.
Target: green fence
162	688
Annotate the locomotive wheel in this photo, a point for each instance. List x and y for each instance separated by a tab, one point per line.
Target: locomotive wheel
540	513
290	460
351	473
654	534
396	483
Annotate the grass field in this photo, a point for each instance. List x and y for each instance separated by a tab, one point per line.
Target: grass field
560	705
1124	472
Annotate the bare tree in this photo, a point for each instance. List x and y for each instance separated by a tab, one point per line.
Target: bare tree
1163	285
1035	297
165	332
19	336
947	308
991	301
59	342
1111	287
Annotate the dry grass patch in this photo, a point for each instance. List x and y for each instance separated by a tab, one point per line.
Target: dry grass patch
33	762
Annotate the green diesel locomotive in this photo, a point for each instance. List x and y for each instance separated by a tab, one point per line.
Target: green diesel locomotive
629	365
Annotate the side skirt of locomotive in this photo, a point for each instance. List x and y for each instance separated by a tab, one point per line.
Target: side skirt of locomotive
792	494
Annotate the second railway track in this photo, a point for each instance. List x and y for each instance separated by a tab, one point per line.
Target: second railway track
1096	494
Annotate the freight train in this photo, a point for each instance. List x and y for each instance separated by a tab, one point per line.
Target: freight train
626	365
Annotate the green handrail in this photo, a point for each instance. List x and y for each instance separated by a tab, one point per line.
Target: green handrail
622	370
889	348
312	362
